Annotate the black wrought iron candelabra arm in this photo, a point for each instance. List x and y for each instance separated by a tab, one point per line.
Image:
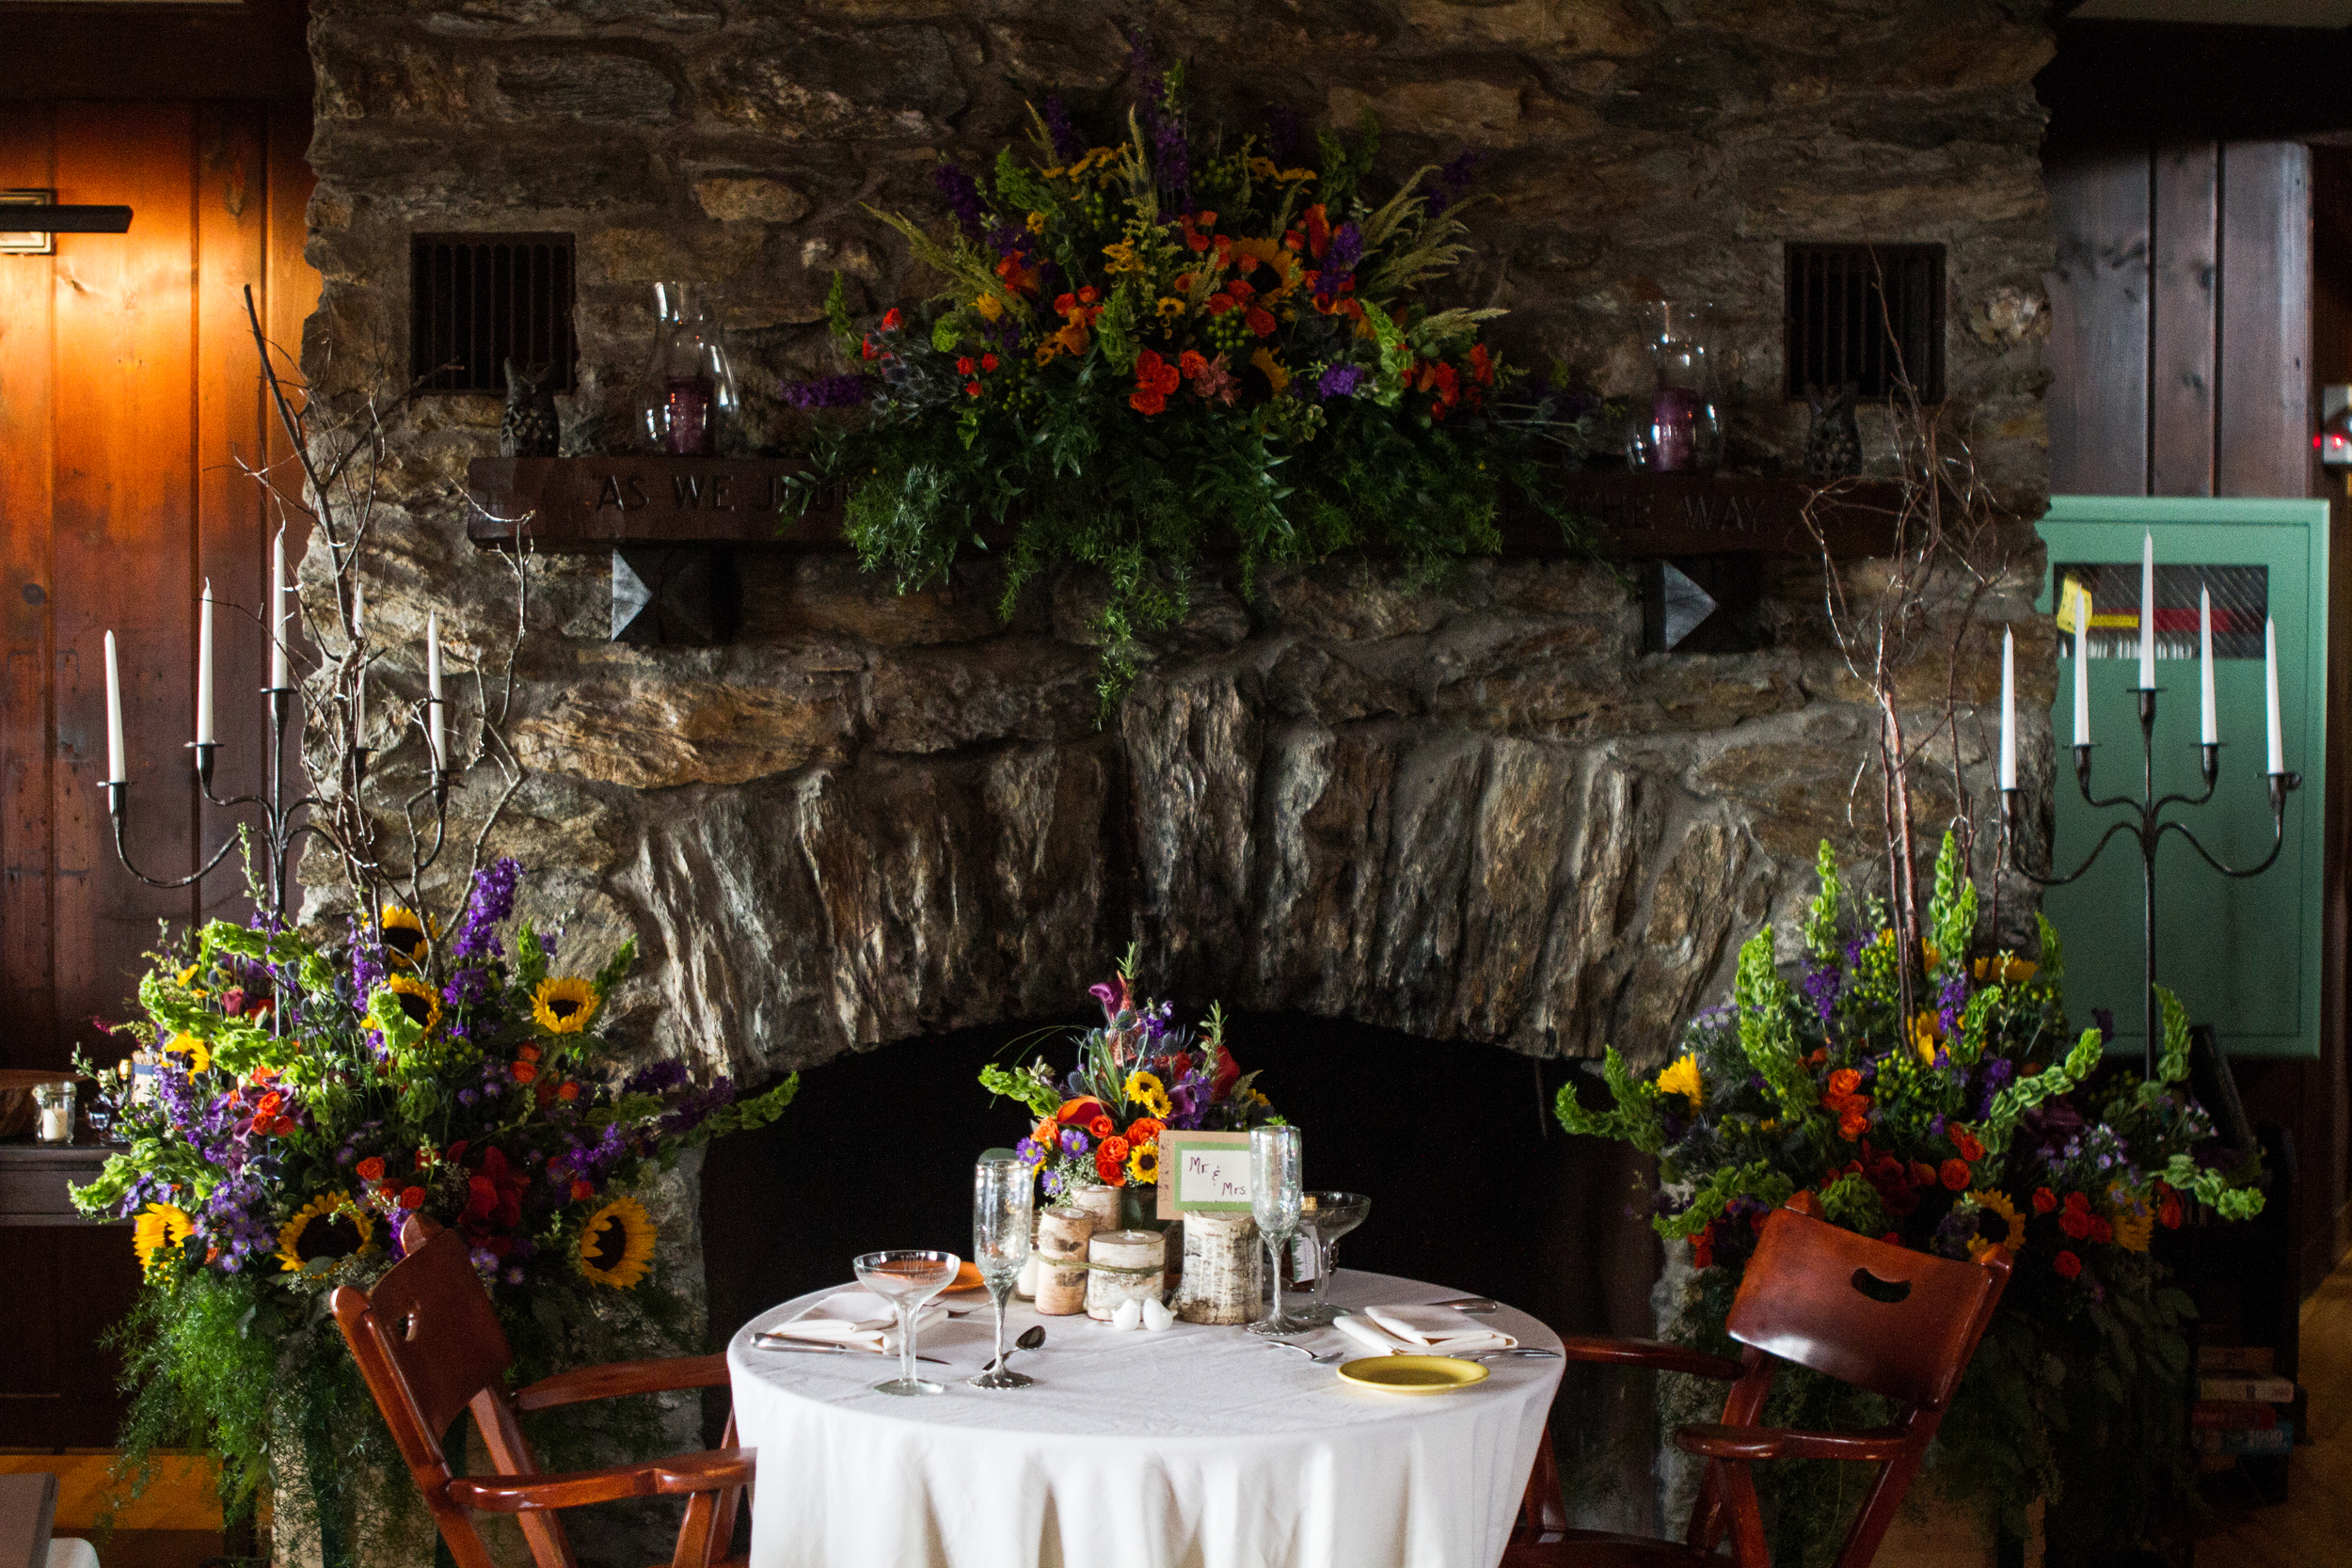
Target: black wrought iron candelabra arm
2145	822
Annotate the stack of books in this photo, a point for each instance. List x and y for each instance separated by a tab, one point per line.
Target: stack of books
2243	1407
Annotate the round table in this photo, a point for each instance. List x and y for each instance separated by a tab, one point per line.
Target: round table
1192	1448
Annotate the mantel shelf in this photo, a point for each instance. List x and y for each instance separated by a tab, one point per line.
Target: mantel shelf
592	504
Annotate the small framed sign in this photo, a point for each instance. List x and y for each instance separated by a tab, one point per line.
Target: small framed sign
1203	1172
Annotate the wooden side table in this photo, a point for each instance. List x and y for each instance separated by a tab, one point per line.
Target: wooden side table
69	1280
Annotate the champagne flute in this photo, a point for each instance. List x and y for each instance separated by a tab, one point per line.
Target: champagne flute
1327	1217
1003	1196
907	1280
1275	1202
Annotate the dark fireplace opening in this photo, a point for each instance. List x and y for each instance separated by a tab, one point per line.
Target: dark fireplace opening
1473	1185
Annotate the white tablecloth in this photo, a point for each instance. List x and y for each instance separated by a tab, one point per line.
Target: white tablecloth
1193	1448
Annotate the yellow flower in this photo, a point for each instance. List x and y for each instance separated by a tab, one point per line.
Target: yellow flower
1045	351
403	933
1263	168
615	1245
2135	1227
1147	1091
185	975
159	1231
564	1007
418	1002
1682	1077
2006	970
200	1054
1143	1164
1271	369
988	306
1927	1029
329	1226
1291	176
1171	308
1123	258
2013	1237
1037	223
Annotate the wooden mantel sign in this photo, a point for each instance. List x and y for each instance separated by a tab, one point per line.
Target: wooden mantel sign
596	503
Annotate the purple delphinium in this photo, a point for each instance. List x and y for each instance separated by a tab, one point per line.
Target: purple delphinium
829	392
1340	381
1950	1002
1997	1072
963	195
1820	986
655	1077
1059	131
1453	180
1340	257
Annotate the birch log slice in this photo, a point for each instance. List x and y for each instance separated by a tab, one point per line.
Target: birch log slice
1221	1277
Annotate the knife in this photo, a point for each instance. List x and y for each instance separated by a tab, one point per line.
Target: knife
807	1347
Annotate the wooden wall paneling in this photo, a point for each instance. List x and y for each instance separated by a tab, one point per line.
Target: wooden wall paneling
2098	324
2265	429
28	1002
124	532
232	225
2184	262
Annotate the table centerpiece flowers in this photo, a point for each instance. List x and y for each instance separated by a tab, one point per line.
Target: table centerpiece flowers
1144	339
313	1093
1139	1075
1977	1122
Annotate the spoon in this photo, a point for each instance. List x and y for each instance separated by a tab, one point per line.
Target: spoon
1030	1338
1327	1355
1522	1353
1475	1305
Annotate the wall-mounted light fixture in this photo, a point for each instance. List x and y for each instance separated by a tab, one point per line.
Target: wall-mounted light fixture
43	220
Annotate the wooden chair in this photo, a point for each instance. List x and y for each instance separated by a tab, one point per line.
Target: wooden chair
428	1342
1898	1323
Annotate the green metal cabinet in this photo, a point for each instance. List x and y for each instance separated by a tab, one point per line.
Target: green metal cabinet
2244	956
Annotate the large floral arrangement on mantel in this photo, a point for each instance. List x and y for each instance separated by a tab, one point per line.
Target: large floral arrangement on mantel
313	1093
1978	1121
1147	337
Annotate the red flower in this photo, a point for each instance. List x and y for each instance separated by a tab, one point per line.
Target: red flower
971	388
494	1196
286	1127
2076	1218
1703	1247
1190	363
1221	302
581	1192
1853	1125
869	350
567	1091
1820	1054
1110	1170
1228	1073
1922	1174
2168	1206
370	1168
1482	365
1240	290
1155	379
1079	1111
527	1052
1318	232
525	1072
988	361
266	1109
412	1197
1892	1238
2043	1200
1260	322
1955	1175
890	320
1844	1081
2067	1264
1196	241
965	365
1102	1127
2101	1232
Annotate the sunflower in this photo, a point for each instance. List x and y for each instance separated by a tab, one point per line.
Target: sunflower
159	1231
2013	1233
2134	1227
616	1244
198	1053
1143	1164
418	1002
1682	1077
564	1007
1149	1092
403	933
329	1226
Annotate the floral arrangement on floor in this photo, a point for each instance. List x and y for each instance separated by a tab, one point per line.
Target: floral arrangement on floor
314	1094
1975	1122
1148	335
1138	1075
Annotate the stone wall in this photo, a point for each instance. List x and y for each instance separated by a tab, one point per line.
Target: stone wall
1476	811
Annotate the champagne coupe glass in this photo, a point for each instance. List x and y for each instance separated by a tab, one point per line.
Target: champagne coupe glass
1004	1195
1328	1216
907	1280
1275	1202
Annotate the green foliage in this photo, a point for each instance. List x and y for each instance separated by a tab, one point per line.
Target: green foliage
1821	933
1634	1119
1767	1034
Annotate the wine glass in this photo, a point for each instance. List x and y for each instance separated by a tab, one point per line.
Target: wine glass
907	1280
1275	1202
1327	1217
1003	1199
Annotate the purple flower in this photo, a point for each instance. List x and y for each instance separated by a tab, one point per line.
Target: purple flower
1340	257
829	392
1058	130
1340	381
1822	986
963	195
1074	1143
656	1077
1030	1151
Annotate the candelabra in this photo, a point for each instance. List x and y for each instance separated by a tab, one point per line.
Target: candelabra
2144	821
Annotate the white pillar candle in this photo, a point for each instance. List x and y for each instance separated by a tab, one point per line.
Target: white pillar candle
433	689
204	666
2210	716
114	773
2270	692
359	642
2148	612
2009	709
275	620
2082	675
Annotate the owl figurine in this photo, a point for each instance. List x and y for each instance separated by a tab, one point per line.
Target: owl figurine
1832	443
530	427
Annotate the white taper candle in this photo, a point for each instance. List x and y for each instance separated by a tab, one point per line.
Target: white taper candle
2270	692
2082	675
2148	612
433	689
2210	719
275	620
2009	709
204	666
359	641
115	770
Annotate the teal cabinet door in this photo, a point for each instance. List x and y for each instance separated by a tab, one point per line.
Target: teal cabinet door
2244	956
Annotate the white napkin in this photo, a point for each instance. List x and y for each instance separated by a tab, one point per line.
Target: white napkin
1425	1330
859	1318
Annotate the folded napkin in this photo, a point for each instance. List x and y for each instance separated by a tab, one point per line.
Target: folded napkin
1420	1331
859	1318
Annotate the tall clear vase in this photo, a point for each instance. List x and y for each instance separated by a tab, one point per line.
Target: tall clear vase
689	405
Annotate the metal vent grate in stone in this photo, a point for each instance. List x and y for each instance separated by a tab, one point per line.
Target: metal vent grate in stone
474	300
1872	314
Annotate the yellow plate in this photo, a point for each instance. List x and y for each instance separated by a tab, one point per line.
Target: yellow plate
1413	1374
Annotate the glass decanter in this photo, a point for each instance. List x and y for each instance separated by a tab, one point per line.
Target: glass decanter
689	398
1682	431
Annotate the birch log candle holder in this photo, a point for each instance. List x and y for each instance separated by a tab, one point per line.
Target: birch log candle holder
1123	1266
1221	1280
1062	1235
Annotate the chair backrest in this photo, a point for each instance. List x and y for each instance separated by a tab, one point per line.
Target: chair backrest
1898	1323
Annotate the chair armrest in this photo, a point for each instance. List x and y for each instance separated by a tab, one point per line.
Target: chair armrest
616	1378
1654	1353
708	1471
1877	1446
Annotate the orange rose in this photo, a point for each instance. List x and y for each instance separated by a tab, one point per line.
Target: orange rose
412	1197
1102	1127
1853	1125
529	1053
1844	1081
525	1072
1965	1141
1955	1174
370	1168
581	1192
568	1091
1114	1150
1144	1130
267	1107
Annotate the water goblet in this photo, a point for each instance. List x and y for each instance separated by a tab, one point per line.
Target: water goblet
1004	1195
1327	1217
907	1280
1275	1200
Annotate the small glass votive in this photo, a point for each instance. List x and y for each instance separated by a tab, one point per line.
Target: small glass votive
54	1104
